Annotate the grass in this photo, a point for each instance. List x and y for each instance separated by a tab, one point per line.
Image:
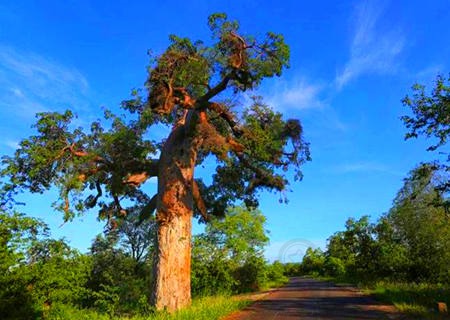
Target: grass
417	300
207	308
274	283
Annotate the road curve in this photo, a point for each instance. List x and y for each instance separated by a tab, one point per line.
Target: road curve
308	299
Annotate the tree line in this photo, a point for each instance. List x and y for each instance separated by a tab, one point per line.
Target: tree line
409	243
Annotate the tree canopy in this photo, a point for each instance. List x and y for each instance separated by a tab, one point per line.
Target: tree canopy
105	165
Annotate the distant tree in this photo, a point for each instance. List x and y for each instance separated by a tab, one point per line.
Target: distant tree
313	261
118	282
241	233
193	88
137	238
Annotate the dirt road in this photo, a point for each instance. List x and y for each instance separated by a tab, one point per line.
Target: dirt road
309	299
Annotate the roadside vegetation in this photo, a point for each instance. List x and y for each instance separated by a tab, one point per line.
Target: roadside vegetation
402	258
44	278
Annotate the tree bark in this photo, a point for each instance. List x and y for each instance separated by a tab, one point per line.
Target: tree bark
172	267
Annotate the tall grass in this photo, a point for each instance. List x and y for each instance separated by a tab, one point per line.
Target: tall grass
416	299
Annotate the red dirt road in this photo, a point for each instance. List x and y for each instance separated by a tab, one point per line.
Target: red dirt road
309	299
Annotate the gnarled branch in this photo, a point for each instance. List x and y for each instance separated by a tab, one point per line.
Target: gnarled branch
225	114
199	203
150	169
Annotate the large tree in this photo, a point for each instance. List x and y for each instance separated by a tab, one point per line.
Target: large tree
193	88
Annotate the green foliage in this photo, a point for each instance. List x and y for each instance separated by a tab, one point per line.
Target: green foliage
118	282
292	269
17	234
430	112
276	275
37	272
228	256
313	261
422	226
334	267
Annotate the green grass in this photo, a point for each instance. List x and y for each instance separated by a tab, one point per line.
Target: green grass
417	300
207	308
274	283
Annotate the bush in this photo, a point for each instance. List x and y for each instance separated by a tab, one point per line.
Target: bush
334	267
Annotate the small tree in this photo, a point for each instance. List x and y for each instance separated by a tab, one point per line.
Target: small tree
191	87
422	226
229	255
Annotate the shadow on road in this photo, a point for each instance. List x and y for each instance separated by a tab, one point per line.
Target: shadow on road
304	298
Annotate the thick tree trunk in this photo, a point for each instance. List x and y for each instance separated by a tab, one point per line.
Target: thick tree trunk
172	283
172	268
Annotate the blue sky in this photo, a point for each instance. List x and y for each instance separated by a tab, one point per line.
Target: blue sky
351	63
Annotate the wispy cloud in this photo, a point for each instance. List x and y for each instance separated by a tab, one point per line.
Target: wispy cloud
11	144
363	166
297	95
429	73
306	99
373	49
31	83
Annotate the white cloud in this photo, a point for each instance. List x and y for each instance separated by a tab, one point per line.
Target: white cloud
31	83
297	95
11	144
372	50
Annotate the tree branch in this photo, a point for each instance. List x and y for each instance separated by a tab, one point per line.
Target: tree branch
188	102
262	177
150	170
93	202
225	114
148	209
222	85
199	203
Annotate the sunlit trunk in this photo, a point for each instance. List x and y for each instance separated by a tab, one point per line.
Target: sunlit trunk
172	268
172	283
